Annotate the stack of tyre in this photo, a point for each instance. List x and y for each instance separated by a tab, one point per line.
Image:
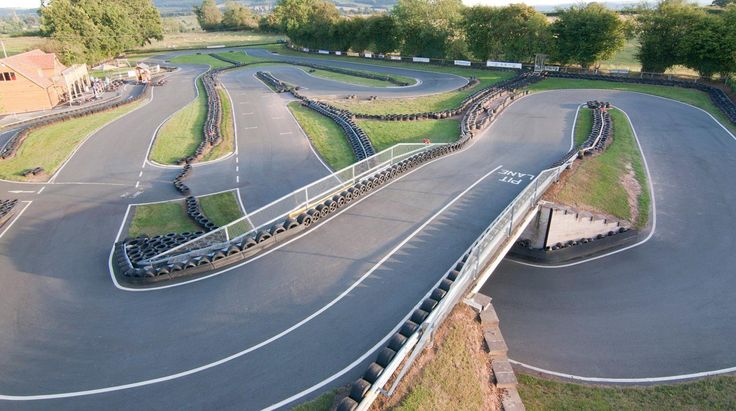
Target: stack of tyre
359	389
6	207
211	128
195	213
179	183
358	139
133	255
268	78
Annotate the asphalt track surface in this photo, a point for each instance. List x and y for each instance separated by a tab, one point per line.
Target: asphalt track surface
269	329
660	309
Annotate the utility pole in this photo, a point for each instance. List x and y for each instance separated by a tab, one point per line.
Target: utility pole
4	52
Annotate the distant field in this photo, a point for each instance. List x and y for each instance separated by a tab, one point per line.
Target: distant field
194	39
15	45
626	59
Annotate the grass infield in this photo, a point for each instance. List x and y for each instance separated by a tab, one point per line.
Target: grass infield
583	125
384	134
326	136
50	146
597	181
182	133
171	216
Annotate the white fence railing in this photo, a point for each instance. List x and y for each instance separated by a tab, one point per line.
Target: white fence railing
295	202
482	252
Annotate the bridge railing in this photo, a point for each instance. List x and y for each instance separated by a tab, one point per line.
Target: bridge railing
297	201
485	250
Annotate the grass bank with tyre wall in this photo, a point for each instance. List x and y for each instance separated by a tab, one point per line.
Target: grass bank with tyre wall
48	141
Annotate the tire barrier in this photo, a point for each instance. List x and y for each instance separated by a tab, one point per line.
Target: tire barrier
466	104
601	131
32	171
717	96
271	81
194	211
134	257
358	139
360	388
215	253
6	210
178	184
28	126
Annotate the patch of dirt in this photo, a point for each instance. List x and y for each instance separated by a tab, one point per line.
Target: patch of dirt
462	319
633	190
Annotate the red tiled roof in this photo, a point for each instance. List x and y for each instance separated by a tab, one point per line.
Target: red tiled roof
30	64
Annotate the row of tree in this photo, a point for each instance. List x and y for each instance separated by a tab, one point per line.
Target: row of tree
95	30
673	33
235	17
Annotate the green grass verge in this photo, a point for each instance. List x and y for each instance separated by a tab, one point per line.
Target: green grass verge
434	102
199	59
716	393
347	78
240	56
161	218
182	133
321	403
50	146
326	136
583	126
384	134
694	97
221	208
596	182
227	129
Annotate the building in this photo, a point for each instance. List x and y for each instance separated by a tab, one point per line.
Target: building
36	80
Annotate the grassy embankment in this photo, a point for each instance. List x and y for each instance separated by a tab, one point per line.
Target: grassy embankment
171	216
715	393
326	136
48	147
182	133
458	357
694	97
597	182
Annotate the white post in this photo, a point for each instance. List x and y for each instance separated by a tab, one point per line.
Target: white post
5	53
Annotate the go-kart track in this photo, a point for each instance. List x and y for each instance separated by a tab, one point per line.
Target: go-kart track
311	313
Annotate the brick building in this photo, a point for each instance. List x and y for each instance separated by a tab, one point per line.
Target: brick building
36	80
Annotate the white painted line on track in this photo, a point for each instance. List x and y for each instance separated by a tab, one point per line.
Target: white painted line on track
41	190
21	191
237	179
90	135
16	218
286	132
266	342
250	128
137	183
140	174
654	214
669	378
247	114
237	169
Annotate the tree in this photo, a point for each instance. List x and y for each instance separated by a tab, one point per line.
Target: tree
707	48
587	34
723	3
662	32
95	30
307	22
384	32
513	33
430	28
208	15
238	17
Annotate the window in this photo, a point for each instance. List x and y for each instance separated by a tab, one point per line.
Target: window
7	76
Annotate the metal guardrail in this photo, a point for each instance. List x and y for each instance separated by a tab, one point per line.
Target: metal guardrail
295	202
479	255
